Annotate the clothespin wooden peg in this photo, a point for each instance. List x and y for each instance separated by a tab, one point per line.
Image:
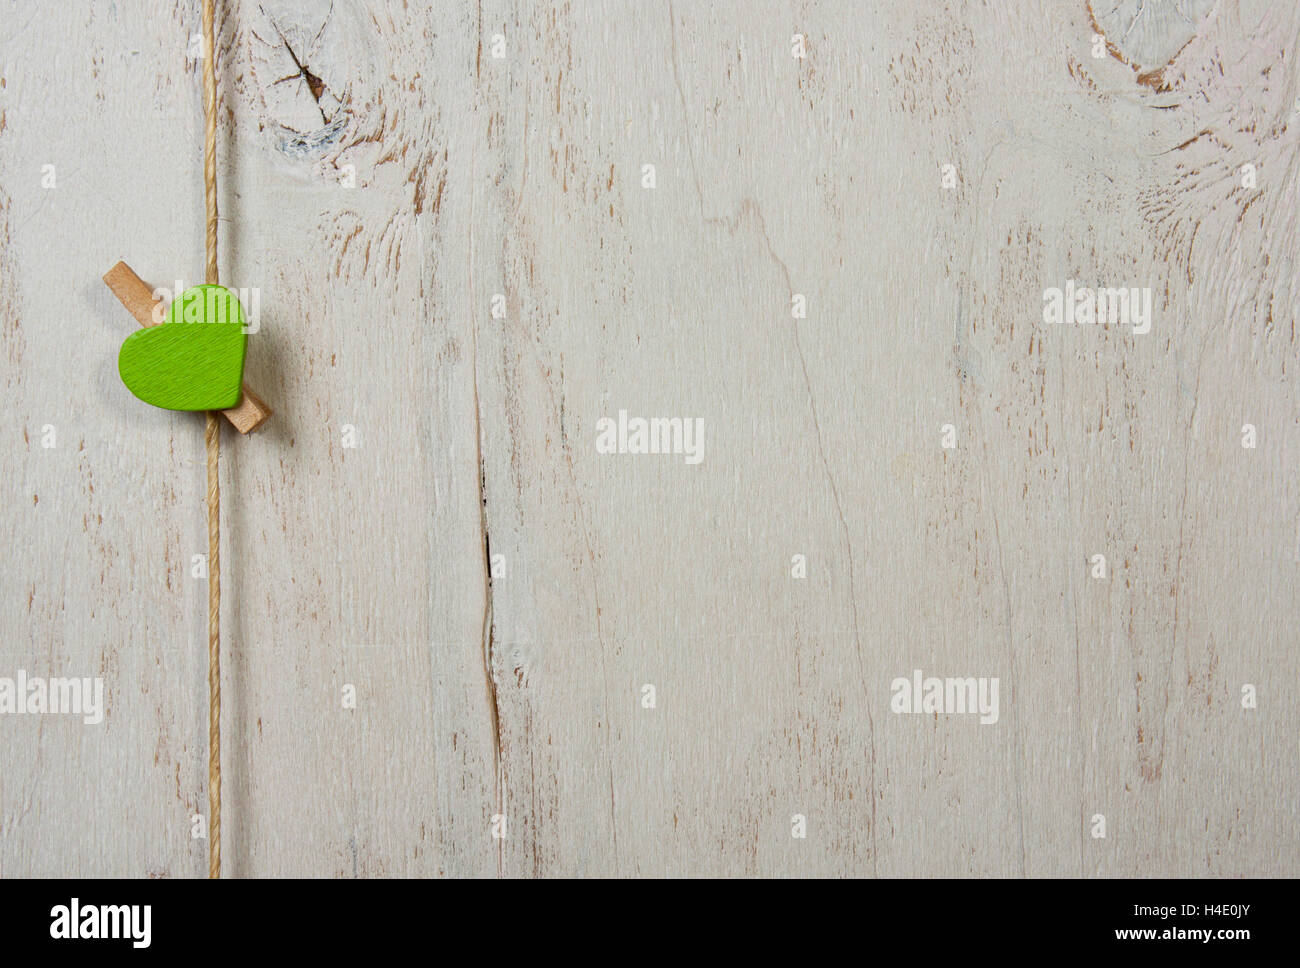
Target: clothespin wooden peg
249	412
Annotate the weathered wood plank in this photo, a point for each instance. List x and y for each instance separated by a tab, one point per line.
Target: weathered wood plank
462	271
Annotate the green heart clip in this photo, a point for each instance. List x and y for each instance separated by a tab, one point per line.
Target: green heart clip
195	359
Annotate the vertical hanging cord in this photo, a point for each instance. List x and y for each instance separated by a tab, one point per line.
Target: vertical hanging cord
212	440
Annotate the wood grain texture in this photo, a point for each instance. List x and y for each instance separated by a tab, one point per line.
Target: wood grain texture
385	178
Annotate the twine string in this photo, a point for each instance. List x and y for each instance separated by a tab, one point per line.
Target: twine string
212	441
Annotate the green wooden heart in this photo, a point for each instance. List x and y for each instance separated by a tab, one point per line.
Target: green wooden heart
194	360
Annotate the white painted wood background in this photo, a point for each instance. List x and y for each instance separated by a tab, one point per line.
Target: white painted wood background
522	175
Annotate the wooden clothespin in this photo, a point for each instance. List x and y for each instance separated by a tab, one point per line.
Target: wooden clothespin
250	412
